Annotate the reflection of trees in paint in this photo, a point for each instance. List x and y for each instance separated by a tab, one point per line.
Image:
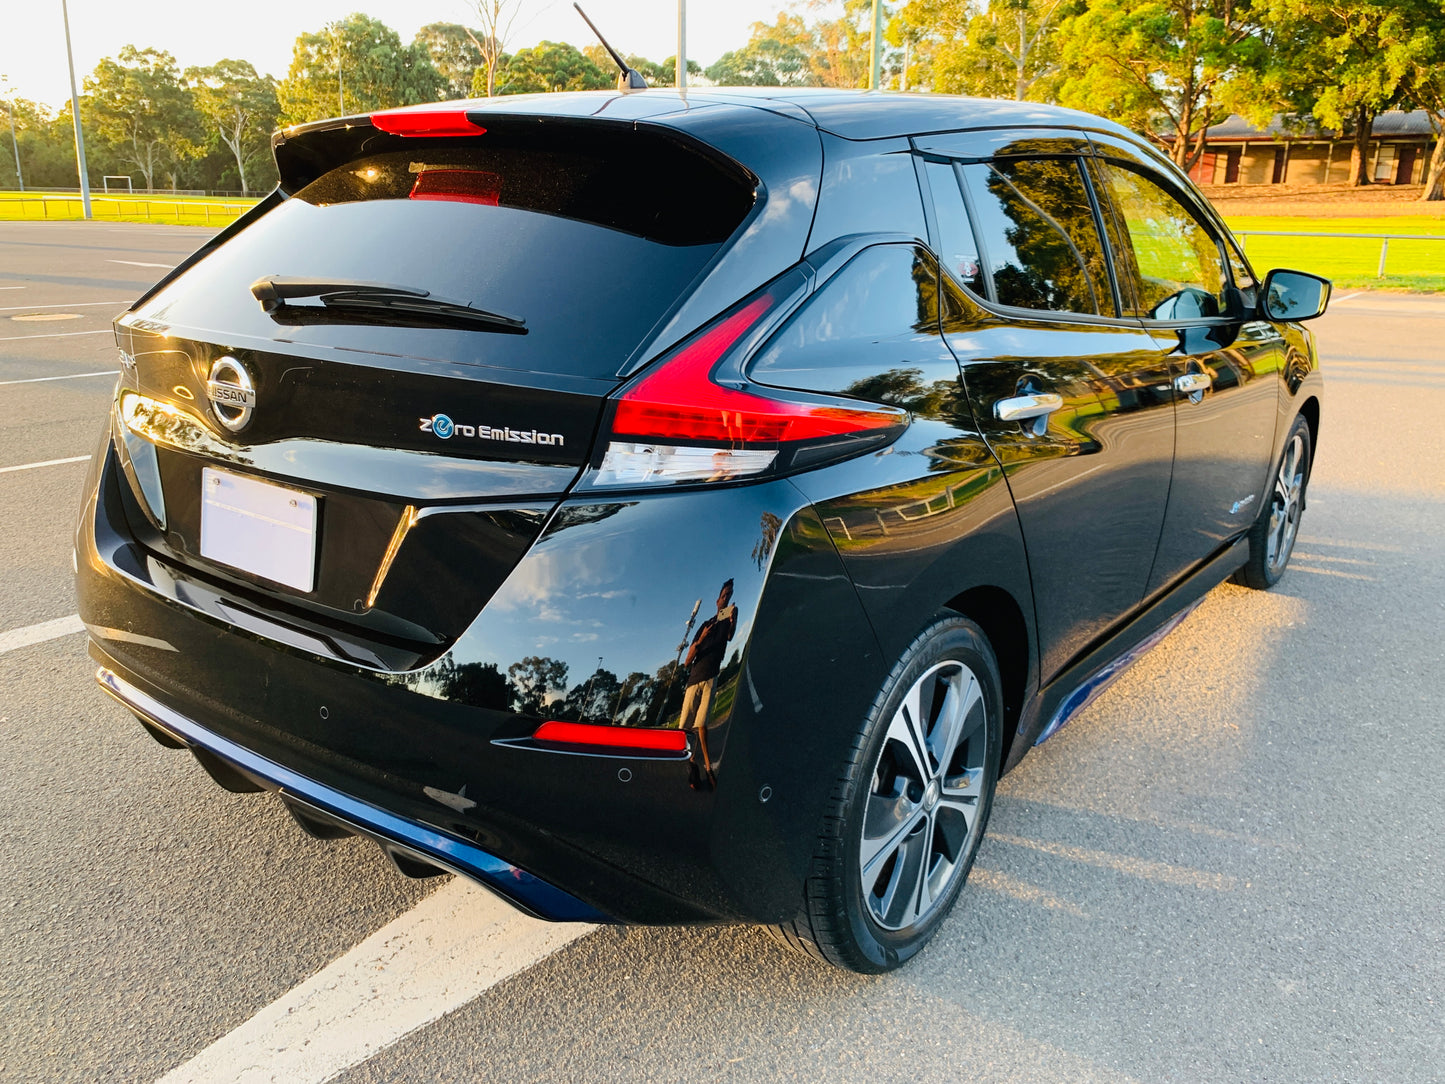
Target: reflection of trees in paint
477	683
763	547
531	678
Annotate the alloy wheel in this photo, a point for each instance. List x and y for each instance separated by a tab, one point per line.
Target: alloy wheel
1287	501
921	818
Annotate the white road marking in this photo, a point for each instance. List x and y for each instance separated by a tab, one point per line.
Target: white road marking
38	634
75	305
45	463
1342	300
138	263
54	335
69	376
441	954
41	317
12	287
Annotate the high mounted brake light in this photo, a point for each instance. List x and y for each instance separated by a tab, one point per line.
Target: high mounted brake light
426	122
694	416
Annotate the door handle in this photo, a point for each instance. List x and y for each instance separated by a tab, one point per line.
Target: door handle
1192	383
1023	407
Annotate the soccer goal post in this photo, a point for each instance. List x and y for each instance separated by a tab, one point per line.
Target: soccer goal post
117	179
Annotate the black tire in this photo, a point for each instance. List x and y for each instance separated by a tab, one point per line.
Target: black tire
1273	533
868	924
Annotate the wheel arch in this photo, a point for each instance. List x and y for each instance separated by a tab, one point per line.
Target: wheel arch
1310	411
1001	618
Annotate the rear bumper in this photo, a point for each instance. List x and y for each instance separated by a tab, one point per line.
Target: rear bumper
394	833
434	763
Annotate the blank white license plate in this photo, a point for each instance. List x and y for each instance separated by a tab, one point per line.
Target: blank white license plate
260	528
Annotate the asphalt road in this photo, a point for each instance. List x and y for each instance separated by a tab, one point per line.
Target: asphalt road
1227	868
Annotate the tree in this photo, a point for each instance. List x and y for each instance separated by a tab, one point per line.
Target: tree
547	66
658	73
775	56
1425	85
1009	50
140	108
496	18
454	53
532	679
240	107
1343	62
375	72
1166	68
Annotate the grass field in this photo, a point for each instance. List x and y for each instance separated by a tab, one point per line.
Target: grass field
182	210
1410	265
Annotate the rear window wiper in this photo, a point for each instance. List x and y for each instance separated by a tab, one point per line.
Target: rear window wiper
342	300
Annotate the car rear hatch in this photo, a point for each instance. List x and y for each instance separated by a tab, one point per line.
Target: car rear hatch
368	458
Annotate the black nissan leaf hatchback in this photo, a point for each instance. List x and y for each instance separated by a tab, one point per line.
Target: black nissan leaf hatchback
681	508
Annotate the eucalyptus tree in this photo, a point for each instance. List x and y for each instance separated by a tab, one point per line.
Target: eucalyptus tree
356	65
138	105
239	106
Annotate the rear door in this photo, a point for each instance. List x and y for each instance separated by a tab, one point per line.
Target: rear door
1031	313
1177	277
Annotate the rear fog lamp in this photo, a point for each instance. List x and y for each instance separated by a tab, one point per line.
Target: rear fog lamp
612	737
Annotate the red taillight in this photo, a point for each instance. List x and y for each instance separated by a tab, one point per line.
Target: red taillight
679	399
426	122
458	186
613	737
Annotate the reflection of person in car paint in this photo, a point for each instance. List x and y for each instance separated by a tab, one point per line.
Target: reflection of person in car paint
704	660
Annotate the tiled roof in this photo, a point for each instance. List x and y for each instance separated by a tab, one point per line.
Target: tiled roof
1394	123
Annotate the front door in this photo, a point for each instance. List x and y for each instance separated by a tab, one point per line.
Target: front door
1224	363
1074	400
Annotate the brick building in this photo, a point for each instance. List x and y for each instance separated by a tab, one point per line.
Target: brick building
1236	152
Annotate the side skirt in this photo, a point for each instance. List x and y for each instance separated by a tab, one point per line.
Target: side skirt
1097	667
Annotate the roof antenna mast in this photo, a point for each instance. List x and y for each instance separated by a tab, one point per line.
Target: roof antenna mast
628	78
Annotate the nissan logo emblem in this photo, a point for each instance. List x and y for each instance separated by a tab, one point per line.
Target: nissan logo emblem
232	395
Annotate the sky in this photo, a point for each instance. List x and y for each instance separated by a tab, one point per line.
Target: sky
32	45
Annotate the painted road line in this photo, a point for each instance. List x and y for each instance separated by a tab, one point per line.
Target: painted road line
138	263
38	634
76	305
1342	300
69	376
443	953
12	287
54	335
45	463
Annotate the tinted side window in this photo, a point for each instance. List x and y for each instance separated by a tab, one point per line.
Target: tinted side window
957	246
1181	275
871	331
1040	241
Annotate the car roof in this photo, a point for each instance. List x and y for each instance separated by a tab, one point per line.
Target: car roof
851	114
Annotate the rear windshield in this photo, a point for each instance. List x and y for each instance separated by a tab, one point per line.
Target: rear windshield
589	242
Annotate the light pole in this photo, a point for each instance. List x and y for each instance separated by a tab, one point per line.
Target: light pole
875	75
681	44
75	116
340	90
14	142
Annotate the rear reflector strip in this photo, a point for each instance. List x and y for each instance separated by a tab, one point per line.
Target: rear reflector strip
613	737
426	122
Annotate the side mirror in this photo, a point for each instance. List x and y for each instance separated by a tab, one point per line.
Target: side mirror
1293	295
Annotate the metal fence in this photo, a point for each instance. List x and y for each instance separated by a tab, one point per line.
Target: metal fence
154	210
1383	238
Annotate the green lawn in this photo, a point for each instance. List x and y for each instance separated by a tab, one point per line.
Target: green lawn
1409	265
184	210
